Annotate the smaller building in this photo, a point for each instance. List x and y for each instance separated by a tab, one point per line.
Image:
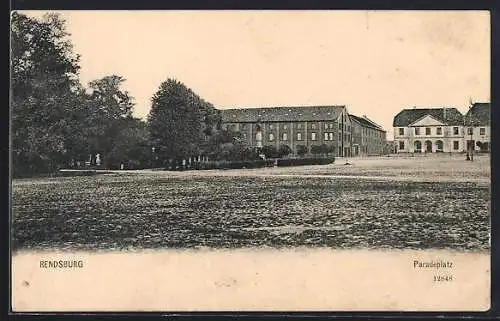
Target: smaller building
368	138
477	121
429	130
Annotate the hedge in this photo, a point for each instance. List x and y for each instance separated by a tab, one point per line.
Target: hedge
256	163
226	165
305	161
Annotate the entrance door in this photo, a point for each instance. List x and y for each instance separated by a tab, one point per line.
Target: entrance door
428	146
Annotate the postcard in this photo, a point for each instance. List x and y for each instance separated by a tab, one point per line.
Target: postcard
183	161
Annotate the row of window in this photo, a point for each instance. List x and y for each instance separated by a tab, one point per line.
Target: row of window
439	131
428	131
482	131
439	145
299	126
328	136
373	133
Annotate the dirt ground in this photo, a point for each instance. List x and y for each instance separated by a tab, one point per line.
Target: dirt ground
419	203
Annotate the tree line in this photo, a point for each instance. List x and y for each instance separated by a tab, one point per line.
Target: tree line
58	122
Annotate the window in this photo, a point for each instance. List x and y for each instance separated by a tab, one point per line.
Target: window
271	137
417	131
482	131
469	131
348	128
299	136
427	131
340	126
326	126
439	131
285	136
299	125
285	127
313	126
326	136
418	146
243	126
401	145
270	126
455	144
313	136
330	126
331	136
340	136
455	130
439	146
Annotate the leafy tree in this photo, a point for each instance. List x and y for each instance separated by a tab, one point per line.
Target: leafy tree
284	150
131	146
322	149
269	151
109	112
301	150
44	86
316	149
180	122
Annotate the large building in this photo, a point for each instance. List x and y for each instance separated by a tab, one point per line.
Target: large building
295	126
477	122
430	130
368	138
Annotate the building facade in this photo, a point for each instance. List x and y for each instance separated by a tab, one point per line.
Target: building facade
429	130
293	126
368	138
478	128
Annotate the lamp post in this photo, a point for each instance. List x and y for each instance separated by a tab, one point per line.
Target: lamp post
152	156
471	135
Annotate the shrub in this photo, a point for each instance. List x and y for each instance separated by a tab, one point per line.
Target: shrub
224	164
284	150
301	150
270	151
305	161
322	149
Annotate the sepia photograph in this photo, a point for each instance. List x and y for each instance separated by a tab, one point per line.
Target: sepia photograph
250	160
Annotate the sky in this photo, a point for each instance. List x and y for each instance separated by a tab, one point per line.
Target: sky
374	62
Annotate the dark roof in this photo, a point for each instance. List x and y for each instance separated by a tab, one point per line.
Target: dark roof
480	113
364	121
275	114
450	116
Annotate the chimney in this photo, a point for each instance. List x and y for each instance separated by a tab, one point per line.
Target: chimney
444	113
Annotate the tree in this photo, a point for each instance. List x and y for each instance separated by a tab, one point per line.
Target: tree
269	151
44	86
131	145
301	150
109	112
180	122
316	150
284	150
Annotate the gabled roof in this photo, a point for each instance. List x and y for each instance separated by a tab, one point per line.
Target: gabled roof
364	121
276	114
446	115
479	114
427	118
